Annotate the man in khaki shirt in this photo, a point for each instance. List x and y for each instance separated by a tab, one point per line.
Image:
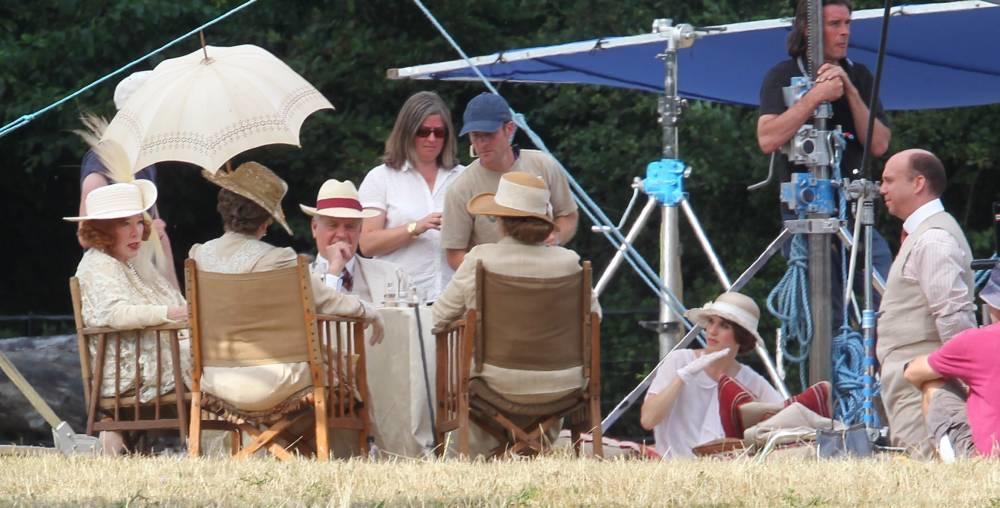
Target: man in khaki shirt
488	122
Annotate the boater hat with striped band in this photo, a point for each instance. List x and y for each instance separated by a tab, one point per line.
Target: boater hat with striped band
518	195
735	307
338	199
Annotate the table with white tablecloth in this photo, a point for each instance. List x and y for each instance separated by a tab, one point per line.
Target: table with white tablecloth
400	414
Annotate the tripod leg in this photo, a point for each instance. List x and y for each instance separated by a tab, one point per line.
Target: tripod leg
633	232
713	259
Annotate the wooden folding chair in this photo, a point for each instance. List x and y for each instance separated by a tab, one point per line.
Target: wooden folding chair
527	324
124	410
260	318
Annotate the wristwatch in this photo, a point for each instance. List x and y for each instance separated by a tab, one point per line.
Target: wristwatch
411	228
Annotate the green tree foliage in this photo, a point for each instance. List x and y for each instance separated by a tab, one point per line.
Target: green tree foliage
604	136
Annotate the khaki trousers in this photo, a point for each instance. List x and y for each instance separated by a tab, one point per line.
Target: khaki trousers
903	401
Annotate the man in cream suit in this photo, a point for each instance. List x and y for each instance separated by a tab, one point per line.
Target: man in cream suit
249	202
336	228
929	292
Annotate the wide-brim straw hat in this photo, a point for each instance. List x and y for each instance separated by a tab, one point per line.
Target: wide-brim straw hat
735	307
338	199
518	195
118	200
256	183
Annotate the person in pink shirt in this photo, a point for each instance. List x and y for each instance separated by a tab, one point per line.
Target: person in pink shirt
964	424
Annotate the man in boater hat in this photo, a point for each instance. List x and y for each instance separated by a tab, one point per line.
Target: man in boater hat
336	228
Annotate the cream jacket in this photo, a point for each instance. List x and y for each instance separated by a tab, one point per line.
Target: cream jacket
261	387
114	295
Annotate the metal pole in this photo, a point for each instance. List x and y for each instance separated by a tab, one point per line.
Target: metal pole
616	261
820	283
868	318
671	329
877	280
820	286
670	261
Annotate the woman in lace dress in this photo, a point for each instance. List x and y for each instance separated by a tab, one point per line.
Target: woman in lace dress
120	288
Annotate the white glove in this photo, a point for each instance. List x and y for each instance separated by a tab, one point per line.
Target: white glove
690	370
373	318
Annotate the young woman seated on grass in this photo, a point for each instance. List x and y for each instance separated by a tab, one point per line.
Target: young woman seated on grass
696	393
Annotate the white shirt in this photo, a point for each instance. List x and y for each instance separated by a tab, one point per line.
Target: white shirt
321	267
695	419
404	197
936	264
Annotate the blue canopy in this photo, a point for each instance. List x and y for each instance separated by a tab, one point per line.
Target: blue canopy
938	56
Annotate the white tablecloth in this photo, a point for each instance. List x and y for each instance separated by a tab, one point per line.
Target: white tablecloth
400	414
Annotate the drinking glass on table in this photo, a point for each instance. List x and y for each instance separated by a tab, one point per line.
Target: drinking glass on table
389	298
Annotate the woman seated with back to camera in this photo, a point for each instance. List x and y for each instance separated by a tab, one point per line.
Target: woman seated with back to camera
696	394
521	206
120	288
249	202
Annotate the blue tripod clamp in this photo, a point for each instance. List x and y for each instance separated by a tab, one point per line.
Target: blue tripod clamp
665	181
807	194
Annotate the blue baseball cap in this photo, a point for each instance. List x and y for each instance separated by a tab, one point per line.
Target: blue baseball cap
486	113
991	293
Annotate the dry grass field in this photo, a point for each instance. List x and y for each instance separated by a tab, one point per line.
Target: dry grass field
551	481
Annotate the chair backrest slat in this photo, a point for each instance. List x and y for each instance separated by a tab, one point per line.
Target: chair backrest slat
530	323
276	334
81	339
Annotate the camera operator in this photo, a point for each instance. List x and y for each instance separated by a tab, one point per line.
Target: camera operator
843	83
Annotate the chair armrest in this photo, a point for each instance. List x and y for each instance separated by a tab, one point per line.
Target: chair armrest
335	317
180	325
449	327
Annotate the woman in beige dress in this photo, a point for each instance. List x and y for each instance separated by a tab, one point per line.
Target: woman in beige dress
121	289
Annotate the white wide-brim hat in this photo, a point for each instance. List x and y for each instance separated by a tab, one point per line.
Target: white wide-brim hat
338	199
735	307
128	86
118	200
518	195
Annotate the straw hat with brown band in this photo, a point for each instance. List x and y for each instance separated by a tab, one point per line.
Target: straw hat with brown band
518	195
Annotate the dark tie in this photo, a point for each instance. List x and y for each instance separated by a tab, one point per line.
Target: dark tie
347	280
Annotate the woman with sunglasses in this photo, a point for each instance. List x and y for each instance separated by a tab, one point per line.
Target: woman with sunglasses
408	191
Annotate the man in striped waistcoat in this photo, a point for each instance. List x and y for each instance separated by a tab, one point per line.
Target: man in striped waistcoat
929	292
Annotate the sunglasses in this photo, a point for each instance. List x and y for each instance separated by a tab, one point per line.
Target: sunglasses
425	132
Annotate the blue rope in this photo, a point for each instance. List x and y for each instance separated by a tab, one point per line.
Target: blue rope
789	303
589	207
26	119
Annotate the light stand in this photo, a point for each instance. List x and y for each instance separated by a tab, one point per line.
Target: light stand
865	192
664	185
665	179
